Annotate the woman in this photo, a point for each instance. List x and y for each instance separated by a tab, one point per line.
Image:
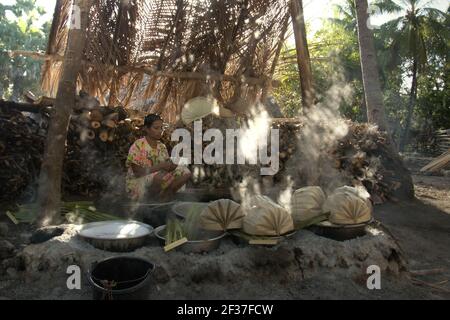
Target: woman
150	171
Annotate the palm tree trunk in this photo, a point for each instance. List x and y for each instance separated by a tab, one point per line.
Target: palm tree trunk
411	104
49	194
369	67
303	58
375	107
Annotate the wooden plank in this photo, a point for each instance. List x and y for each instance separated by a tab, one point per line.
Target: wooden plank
438	163
13	219
176	244
269	242
443	131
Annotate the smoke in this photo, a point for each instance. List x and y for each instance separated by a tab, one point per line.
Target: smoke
254	145
323	127
312	164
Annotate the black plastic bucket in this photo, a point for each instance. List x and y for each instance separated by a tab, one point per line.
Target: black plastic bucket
121	278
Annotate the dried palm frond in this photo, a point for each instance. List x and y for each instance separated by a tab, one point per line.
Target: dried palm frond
129	44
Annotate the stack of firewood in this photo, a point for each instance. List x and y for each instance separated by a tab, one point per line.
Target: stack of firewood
226	175
362	156
98	142
98	124
289	132
97	147
99	139
21	149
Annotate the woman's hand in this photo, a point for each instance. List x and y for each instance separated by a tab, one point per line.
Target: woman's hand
168	166
140	172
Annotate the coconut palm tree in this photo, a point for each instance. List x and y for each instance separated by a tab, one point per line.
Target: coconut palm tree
303	57
369	68
374	97
407	35
347	15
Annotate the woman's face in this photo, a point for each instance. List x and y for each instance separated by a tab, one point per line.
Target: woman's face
156	130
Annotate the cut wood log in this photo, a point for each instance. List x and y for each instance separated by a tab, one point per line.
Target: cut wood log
109	123
25	107
46	101
30	97
437	164
103	136
95	124
111	136
113	116
96	115
89	134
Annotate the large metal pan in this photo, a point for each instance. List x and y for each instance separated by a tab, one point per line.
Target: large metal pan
116	236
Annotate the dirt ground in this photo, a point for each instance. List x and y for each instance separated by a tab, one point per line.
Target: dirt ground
433	190
420	228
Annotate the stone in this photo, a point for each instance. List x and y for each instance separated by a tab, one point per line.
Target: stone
12	273
7	249
160	275
3	229
14	262
45	234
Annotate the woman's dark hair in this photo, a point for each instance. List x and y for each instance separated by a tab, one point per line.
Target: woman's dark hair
151	119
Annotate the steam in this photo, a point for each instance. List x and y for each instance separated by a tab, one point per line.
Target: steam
312	164
323	127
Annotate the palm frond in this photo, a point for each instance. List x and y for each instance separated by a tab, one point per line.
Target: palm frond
236	38
387	6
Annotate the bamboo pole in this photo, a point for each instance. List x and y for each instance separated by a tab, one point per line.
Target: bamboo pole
149	70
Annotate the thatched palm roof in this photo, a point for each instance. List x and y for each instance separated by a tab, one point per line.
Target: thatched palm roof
173	50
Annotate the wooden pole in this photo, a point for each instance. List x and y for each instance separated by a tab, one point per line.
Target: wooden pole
303	58
49	194
151	71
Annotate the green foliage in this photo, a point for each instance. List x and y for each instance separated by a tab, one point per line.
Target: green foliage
335	61
288	94
422	34
19	31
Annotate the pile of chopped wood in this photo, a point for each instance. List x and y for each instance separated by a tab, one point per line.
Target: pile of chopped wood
224	175
99	140
21	149
97	145
289	132
364	155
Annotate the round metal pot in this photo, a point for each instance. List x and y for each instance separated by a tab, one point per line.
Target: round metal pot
198	246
